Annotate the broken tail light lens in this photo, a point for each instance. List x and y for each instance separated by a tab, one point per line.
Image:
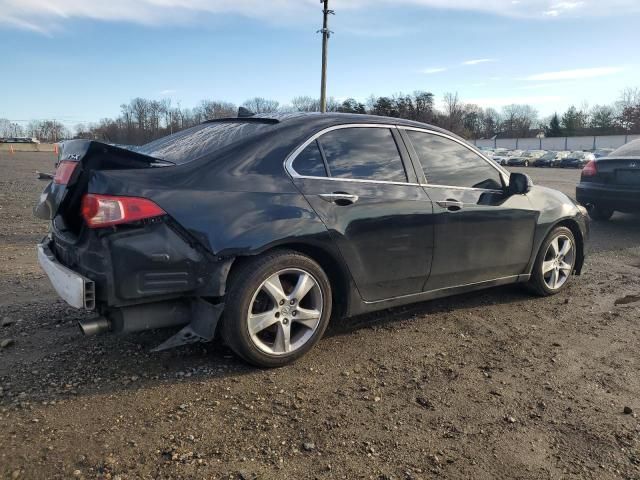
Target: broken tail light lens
107	210
64	171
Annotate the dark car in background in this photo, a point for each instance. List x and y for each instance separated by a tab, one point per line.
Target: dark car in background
550	159
577	160
268	226
612	184
18	140
526	159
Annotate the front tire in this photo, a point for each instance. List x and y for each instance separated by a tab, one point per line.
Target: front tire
277	308
555	263
600	214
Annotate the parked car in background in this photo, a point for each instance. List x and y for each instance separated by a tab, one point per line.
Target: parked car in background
577	160
504	157
612	184
526	159
283	221
603	152
20	140
550	159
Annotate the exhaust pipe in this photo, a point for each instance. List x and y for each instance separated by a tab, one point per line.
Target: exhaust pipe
94	326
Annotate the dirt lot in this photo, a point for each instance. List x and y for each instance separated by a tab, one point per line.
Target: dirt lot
496	384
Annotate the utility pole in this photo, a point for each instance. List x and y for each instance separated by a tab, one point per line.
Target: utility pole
326	34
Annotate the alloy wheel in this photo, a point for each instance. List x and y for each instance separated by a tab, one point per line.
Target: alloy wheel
559	261
285	311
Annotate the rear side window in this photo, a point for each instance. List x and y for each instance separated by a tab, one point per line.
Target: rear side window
309	162
363	154
449	163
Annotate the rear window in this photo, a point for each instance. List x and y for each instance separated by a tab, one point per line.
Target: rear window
631	149
193	143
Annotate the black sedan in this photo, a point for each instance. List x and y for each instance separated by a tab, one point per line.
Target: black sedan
612	183
577	160
267	227
549	159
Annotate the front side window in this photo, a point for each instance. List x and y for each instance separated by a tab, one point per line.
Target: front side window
446	162
363	153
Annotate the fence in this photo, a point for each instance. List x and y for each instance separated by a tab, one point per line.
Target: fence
27	147
558	143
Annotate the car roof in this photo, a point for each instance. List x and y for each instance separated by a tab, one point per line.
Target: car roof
630	150
334	118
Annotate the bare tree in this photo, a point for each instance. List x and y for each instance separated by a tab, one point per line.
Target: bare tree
212	109
518	119
10	129
629	97
261	105
305	104
453	112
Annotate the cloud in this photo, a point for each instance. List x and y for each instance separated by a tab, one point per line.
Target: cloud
379	32
168	92
48	15
528	100
431	71
577	74
479	61
559	8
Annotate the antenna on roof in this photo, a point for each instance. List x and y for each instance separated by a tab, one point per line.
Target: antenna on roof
245	113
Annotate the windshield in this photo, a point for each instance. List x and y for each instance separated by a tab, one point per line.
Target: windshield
187	145
548	156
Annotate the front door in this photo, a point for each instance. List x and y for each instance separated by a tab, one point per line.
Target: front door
481	232
356	180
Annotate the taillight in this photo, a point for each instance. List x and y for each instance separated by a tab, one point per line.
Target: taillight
590	169
64	171
106	210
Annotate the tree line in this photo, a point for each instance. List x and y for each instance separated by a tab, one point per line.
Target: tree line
143	120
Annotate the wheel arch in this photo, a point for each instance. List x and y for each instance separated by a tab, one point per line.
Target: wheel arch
330	262
573	225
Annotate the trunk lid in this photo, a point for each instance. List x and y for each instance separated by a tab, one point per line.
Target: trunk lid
623	171
90	156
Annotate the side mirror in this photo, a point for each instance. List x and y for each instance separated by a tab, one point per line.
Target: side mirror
519	184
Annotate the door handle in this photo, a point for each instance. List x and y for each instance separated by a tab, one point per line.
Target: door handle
451	205
341	199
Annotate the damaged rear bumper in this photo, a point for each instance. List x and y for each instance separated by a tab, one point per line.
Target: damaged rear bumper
142	278
75	289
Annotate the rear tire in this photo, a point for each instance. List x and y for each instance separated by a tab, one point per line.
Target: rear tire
600	214
555	263
265	322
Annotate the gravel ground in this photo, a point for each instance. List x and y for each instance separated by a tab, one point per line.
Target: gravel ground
495	384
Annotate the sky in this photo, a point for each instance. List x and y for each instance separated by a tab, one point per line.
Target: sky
77	61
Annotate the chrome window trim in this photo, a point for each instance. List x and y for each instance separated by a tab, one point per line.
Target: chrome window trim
451	187
504	174
288	163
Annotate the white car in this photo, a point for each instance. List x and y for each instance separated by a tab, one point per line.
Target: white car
503	158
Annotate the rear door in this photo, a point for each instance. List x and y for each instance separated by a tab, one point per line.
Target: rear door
362	184
481	233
